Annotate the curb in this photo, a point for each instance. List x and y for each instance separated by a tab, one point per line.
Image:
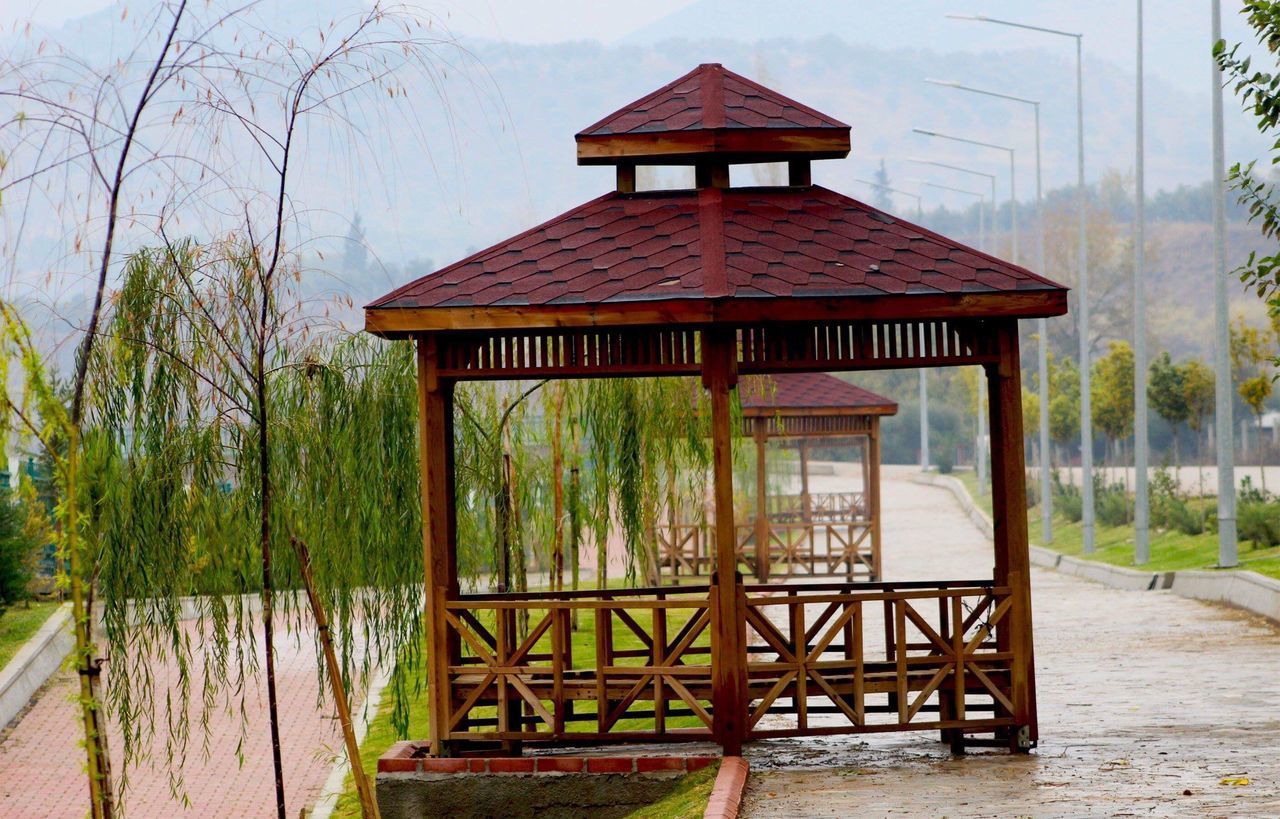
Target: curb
726	795
35	662
1240	588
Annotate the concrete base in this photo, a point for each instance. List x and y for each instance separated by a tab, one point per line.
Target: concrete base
34	663
515	796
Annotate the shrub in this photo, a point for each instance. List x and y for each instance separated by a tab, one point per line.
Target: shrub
1258	522
945	460
1067	500
1112	508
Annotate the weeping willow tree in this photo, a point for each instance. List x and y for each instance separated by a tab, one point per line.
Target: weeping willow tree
218	432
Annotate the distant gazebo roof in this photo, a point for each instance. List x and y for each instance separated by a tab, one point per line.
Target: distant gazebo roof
809	394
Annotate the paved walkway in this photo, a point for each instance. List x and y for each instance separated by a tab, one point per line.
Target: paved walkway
42	763
1147	702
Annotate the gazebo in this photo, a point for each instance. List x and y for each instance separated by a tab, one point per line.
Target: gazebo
723	282
809	534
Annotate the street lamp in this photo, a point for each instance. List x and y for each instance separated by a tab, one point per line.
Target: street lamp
1227	556
924	380
1086	408
1141	503
990	177
982	204
1013	178
1042	325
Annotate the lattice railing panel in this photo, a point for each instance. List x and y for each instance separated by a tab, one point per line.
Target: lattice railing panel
832	660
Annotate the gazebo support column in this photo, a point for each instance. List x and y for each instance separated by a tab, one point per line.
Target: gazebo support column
806	511
1009	514
762	508
728	641
435	436
871	452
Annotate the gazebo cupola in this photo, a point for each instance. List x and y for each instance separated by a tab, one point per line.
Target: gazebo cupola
712	118
717	282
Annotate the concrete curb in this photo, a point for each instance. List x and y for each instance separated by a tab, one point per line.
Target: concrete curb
34	663
731	783
1242	589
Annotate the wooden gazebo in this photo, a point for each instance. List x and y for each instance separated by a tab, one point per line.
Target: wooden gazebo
805	534
722	282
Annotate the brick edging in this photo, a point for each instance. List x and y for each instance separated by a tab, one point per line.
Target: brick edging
401	758
726	795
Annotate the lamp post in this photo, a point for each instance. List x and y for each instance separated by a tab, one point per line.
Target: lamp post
982	204
924	379
1141	503
1086	408
1013	178
1222	363
990	177
1042	325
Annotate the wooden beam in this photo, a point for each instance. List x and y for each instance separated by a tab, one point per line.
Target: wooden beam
762	510
626	177
738	145
1009	516
439	526
799	173
729	681
403	321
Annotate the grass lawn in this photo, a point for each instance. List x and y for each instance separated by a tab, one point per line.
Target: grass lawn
382	733
1170	550
18	623
687	801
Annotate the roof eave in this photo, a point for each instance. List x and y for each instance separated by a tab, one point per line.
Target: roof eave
400	322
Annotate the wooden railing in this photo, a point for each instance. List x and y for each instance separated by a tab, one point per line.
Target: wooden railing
831	658
820	658
516	676
823	507
815	549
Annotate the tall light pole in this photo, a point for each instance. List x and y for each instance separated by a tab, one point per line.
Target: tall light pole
1013	177
924	374
1222	422
990	177
1082	262
982	204
1042	325
1141	511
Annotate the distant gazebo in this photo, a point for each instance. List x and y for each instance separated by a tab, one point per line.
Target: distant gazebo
722	282
809	534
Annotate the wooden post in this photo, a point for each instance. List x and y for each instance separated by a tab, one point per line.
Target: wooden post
871	468
729	657
435	454
806	512
1009	516
762	507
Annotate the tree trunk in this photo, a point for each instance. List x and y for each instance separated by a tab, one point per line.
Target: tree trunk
557	484
268	589
574	535
368	805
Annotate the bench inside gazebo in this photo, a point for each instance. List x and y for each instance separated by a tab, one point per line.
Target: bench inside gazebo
723	282
794	534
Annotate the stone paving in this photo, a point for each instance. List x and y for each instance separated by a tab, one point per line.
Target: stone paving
1148	702
42	762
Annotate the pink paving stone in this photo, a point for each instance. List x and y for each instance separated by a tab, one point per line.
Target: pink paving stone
42	762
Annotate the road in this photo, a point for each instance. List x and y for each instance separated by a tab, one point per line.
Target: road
1147	701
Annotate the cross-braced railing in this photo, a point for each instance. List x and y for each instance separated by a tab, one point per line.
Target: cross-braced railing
823	507
831	659
641	669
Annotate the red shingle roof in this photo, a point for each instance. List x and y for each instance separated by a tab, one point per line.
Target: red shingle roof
808	391
710	96
713	243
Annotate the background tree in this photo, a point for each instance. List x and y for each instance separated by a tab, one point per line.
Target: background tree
1197	385
1167	395
1064	405
1113	395
1252	349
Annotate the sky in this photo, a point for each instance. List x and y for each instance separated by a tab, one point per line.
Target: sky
523	20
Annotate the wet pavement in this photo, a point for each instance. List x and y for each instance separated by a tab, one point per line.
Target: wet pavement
1150	704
